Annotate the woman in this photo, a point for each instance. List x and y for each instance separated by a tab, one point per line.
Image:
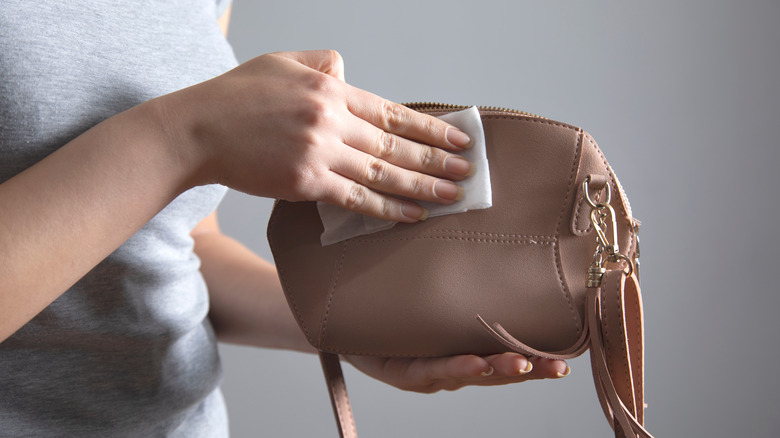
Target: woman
116	145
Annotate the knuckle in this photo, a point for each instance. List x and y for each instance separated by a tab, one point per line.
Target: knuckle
357	197
321	83
335	58
427	157
315	112
376	171
392	115
309	143
387	207
417	185
303	179
388	144
432	127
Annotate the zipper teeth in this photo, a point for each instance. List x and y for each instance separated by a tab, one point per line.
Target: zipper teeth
436	106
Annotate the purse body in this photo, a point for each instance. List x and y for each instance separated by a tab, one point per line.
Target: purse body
414	290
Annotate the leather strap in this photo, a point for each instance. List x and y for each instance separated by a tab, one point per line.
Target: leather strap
337	388
614	334
615	320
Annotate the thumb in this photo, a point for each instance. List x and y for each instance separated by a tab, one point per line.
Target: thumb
326	61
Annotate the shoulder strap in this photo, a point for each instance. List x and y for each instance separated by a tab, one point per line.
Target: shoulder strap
339	399
616	339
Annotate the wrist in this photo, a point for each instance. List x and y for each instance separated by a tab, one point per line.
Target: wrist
177	142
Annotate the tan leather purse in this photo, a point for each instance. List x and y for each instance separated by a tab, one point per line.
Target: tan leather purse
550	270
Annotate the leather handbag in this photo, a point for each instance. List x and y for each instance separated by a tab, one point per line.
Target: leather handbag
550	270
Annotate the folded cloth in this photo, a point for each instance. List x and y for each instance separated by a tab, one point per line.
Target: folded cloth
341	224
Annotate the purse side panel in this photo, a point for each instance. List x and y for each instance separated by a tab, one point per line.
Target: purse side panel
306	268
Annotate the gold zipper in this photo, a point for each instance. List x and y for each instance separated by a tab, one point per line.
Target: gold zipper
436	106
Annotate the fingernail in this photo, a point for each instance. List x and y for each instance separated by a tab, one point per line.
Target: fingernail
487	373
458	138
565	373
528	367
414	211
458	166
448	190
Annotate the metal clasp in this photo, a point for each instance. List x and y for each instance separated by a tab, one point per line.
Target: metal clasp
602	217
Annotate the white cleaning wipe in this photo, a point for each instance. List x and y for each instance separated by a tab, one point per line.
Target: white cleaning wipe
341	224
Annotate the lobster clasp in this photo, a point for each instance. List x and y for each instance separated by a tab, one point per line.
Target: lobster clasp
603	219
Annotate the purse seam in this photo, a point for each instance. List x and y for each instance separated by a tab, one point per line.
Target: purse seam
578	215
522	239
567	202
283	278
488	236
467	239
639	354
621	328
331	294
532	120
617	187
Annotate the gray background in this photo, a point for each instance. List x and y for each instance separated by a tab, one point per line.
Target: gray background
683	97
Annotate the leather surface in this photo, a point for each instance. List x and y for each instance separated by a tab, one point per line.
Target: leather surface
414	290
511	277
614	318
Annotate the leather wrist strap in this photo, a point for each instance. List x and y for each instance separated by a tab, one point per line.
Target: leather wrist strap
615	322
614	333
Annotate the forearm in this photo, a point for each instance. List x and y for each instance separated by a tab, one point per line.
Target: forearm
248	306
273	127
62	216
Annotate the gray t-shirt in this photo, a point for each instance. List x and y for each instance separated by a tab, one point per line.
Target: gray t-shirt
128	351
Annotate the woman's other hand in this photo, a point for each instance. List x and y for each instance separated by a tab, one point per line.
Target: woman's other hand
430	375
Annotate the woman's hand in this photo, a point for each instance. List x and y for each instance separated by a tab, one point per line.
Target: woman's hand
430	375
287	126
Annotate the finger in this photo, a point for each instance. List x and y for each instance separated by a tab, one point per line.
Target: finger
385	177
400	120
458	368
444	373
550	368
347	193
408	154
514	368
455	372
326	61
425	375
509	365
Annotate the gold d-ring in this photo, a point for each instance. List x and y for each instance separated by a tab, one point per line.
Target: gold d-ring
586	193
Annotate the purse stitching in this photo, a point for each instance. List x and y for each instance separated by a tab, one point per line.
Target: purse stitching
615	184
580	136
468	239
331	294
639	354
612	365
524	239
605	329
569	193
621	327
282	277
532	120
578	217
500	236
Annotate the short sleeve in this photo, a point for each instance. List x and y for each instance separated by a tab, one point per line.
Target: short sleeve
222	6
